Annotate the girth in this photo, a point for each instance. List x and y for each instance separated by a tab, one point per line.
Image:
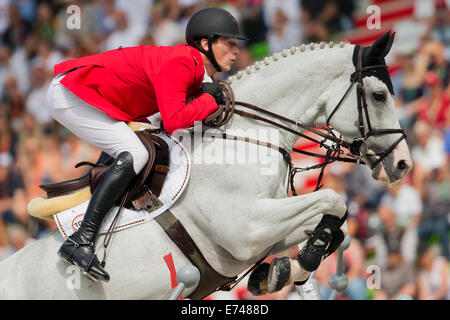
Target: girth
210	280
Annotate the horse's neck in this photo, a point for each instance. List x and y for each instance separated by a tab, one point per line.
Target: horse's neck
291	84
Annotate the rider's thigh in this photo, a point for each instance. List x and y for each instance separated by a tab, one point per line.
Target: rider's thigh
95	127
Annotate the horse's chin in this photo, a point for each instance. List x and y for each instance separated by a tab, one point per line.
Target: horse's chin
379	173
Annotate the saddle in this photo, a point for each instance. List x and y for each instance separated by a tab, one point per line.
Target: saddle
144	192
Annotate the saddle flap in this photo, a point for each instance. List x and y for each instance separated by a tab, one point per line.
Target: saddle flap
151	180
66	187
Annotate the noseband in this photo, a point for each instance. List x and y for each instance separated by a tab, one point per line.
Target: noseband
358	151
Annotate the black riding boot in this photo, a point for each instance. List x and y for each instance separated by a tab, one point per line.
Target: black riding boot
79	248
323	241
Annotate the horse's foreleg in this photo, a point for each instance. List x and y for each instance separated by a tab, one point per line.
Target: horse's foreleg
278	219
299	236
269	221
285	271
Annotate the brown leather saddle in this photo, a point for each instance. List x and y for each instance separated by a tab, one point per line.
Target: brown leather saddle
144	192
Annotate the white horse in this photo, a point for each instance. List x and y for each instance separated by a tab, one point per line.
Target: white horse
235	213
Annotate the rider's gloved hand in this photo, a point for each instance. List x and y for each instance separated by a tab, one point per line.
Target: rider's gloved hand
214	89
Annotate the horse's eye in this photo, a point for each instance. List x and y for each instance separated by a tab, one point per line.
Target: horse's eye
379	96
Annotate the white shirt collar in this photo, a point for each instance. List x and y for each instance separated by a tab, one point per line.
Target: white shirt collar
206	77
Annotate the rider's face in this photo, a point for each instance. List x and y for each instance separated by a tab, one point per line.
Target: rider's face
225	51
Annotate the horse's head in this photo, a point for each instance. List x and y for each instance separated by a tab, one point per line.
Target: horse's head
367	115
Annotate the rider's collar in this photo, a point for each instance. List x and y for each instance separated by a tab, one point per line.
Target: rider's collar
206	77
381	74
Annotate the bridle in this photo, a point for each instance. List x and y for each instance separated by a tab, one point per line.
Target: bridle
359	144
357	149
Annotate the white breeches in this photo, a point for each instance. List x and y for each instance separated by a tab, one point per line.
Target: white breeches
94	126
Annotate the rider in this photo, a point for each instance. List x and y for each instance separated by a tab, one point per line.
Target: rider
94	95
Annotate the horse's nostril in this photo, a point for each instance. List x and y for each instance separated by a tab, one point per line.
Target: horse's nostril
402	165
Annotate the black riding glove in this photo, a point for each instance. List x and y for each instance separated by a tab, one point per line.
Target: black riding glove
214	89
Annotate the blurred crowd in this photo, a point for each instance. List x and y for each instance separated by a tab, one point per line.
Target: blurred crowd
401	229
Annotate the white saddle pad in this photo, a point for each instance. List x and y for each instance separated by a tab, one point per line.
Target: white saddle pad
177	178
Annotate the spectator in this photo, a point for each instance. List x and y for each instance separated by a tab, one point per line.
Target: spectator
8	138
436	106
37	98
27	9
254	26
282	35
20	64
14	65
438	62
5	68
166	32
427	153
72	151
138	14
409	81
406	217
354	268
436	214
399	194
94	24
46	57
244	59
439	26
147	40
289	8
360	187
387	227
397	277
17	239
30	164
408	84
4	16
322	18
8	183
433	281
12	193
15	102
43	26
123	35
3	239
283	20
17	31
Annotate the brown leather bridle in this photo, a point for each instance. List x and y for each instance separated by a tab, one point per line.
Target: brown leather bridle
357	149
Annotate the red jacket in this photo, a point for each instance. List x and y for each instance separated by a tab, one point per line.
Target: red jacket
133	83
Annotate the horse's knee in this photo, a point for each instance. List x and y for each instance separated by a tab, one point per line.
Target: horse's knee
244	244
242	254
334	203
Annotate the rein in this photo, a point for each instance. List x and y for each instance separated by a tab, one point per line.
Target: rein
357	149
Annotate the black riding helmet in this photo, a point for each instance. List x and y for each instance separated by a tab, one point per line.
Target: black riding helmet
209	23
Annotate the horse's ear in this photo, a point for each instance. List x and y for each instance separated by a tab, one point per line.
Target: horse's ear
380	48
389	44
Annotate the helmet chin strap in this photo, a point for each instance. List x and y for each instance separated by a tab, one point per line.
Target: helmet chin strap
210	55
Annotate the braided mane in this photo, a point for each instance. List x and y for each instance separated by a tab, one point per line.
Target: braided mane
283	54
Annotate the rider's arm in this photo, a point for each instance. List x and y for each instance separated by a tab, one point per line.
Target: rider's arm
171	87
